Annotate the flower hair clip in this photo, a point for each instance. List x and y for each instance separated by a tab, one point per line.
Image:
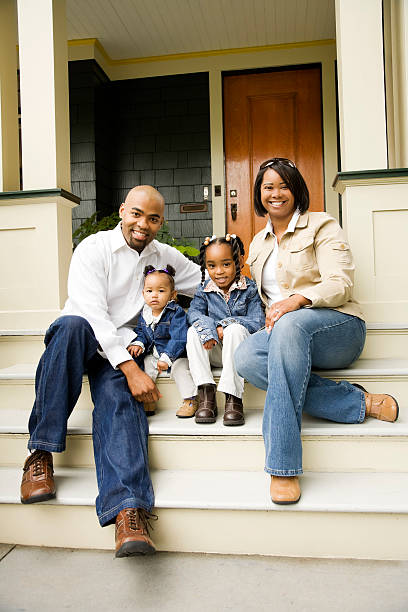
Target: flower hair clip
208	239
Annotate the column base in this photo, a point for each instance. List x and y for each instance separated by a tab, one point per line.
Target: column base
35	250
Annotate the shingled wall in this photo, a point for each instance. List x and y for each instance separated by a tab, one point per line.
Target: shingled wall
141	131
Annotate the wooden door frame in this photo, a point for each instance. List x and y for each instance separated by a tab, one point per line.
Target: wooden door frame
248	137
329	118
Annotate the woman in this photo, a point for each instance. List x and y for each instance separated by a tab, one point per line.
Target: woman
303	268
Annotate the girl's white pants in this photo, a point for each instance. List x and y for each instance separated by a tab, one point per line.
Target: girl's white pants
222	355
179	372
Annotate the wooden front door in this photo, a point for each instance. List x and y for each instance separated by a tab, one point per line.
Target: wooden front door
271	114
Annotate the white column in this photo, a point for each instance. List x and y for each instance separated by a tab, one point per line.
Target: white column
44	94
217	151
396	56
9	147
359	37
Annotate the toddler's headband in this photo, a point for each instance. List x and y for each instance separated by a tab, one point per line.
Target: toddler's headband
165	270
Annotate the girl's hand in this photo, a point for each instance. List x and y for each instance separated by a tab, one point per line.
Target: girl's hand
162	366
135	350
278	309
210	344
220	333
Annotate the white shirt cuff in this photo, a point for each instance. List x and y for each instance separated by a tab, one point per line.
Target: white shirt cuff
166	359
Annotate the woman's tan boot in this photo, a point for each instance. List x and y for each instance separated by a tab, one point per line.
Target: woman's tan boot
285	489
381	406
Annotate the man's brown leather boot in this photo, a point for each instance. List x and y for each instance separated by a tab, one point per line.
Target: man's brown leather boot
132	533
38	484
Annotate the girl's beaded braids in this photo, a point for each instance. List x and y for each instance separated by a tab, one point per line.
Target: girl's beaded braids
237	249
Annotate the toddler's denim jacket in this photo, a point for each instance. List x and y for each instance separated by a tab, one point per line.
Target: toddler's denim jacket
209	310
170	334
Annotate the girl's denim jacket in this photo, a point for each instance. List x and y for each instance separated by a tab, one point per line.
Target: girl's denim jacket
170	334
209	310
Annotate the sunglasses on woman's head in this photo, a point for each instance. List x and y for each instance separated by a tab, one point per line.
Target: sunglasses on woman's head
276	160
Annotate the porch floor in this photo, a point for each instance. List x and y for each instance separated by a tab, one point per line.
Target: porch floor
42	579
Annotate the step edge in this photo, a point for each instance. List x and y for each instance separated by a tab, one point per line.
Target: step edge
261	505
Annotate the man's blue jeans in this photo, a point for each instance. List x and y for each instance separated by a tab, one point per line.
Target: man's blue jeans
281	363
120	426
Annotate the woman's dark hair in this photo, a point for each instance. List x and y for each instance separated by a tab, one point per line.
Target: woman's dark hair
169	270
293	179
237	249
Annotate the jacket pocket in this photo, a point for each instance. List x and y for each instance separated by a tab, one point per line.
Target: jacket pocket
162	330
342	251
302	254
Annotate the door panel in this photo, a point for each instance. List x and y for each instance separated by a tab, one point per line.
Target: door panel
274	114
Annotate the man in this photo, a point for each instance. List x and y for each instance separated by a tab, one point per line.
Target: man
105	294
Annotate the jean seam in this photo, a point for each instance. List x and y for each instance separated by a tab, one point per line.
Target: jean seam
274	472
363	409
136	503
56	448
137	414
100	463
309	369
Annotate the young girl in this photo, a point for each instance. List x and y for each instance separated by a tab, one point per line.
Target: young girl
161	337
224	311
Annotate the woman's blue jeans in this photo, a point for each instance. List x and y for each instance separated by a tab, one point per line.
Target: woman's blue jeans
119	428
281	363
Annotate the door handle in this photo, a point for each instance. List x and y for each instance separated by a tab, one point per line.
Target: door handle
234	210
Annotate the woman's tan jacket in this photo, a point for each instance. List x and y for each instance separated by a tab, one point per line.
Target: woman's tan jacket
315	260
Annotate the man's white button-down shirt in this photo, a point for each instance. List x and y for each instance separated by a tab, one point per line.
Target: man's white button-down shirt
105	285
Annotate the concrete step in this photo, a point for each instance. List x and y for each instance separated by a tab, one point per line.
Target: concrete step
182	444
377	375
384	340
339	515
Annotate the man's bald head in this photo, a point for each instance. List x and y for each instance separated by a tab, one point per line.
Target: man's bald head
142	215
145	192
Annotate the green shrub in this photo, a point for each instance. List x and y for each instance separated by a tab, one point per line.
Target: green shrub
92	225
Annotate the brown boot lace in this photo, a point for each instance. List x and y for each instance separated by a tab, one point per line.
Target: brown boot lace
37	460
140	519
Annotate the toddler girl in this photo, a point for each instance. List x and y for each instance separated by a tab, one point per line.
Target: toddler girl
224	311
161	336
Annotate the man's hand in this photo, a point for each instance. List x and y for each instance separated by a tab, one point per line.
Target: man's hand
220	333
162	366
278	309
210	344
140	384
135	350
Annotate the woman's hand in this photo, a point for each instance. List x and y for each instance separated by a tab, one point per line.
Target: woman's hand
220	333
278	309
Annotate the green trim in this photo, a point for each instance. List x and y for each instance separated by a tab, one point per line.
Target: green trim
39	193
355	175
